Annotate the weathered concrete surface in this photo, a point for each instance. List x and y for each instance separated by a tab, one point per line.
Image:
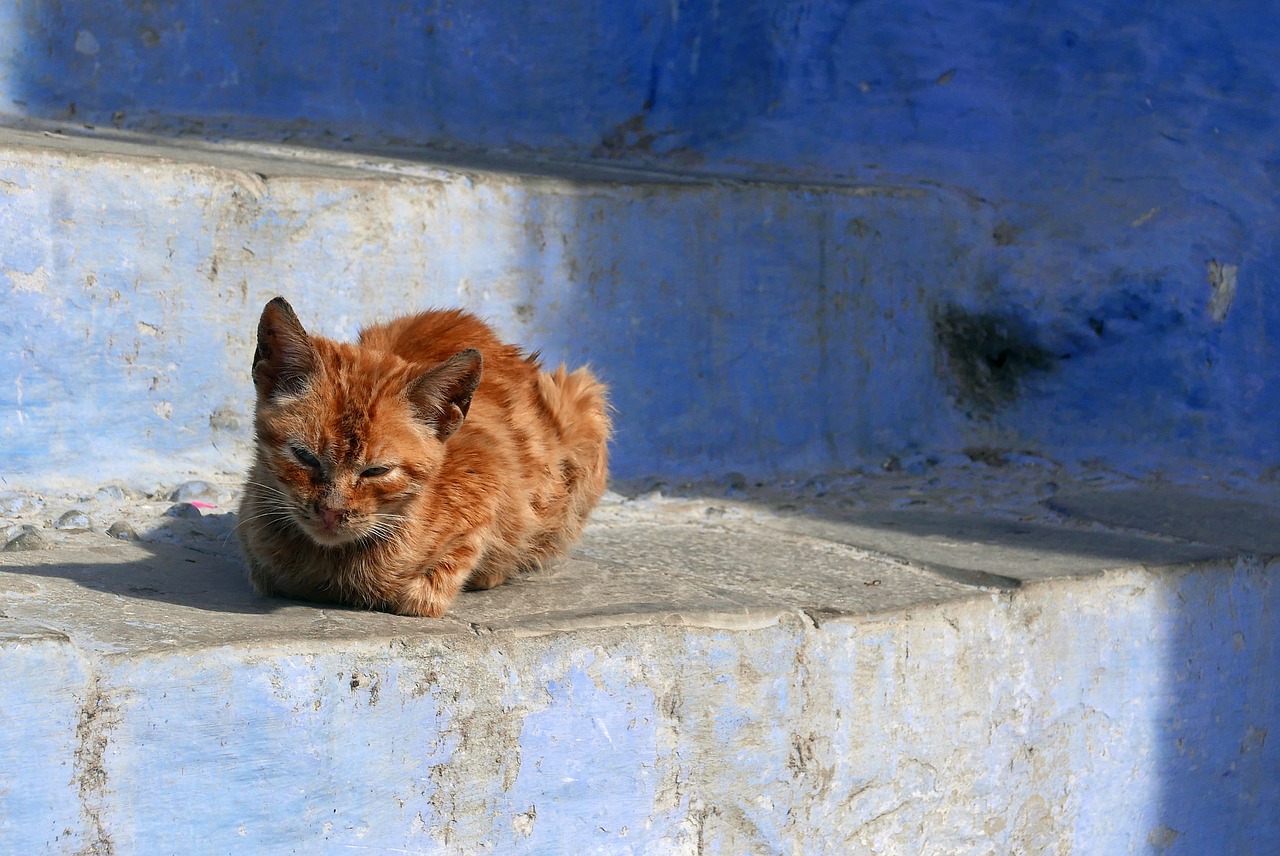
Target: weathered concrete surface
756	327
1001	553
1229	521
692	680
133	276
933	232
1108	172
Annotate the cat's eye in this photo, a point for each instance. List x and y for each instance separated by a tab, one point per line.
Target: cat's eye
374	472
305	457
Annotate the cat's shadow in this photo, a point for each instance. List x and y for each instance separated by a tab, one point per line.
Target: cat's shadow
197	565
192	564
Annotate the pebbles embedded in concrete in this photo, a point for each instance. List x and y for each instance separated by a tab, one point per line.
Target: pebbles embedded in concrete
196	490
28	540
73	521
122	531
111	493
13	503
184	511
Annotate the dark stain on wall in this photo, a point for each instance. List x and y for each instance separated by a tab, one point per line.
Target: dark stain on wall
986	357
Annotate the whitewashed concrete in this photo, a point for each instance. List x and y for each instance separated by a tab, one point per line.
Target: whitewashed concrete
760	327
704	675
829	664
133	273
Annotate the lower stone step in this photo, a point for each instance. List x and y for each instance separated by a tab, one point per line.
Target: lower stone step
859	663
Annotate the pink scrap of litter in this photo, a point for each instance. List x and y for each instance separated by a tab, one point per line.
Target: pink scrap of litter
204	505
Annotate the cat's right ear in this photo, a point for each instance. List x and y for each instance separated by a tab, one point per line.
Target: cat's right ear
442	396
285	359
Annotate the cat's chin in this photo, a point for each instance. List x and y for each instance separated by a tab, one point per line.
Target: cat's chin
333	537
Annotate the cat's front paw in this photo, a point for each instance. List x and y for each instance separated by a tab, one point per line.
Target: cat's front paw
426	596
483	580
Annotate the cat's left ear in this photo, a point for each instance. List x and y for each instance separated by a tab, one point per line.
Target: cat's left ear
285	359
442	396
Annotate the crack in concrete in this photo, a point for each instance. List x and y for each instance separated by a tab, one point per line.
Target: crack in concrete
98	717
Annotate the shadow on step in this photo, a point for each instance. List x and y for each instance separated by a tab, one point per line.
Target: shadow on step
198	572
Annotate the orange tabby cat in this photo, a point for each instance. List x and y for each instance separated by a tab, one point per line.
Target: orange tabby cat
427	457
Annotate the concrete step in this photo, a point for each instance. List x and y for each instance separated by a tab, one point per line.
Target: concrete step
748	325
839	244
134	270
968	645
961	660
1096	226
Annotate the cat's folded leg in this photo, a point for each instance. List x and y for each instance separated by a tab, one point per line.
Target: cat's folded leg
263	580
484	579
429	592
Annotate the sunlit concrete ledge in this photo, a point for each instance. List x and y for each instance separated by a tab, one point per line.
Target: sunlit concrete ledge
700	677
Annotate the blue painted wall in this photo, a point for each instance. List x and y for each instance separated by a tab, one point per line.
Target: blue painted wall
1103	157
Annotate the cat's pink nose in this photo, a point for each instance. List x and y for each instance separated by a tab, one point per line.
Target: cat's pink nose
331	516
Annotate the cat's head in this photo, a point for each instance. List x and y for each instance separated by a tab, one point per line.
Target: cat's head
348	435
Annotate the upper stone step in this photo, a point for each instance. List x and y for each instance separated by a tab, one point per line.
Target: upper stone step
753	326
724	315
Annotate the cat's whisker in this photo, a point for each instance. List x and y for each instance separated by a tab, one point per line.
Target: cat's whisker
274	489
269	508
385	533
271	512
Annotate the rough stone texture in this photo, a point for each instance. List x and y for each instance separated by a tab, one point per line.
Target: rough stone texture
1106	174
700	677
1229	521
813	236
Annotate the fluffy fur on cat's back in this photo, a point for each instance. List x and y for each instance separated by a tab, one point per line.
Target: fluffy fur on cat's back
427	457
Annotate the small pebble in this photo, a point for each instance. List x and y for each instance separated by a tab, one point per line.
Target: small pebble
196	490
73	521
122	531
17	529
184	511
24	542
110	493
